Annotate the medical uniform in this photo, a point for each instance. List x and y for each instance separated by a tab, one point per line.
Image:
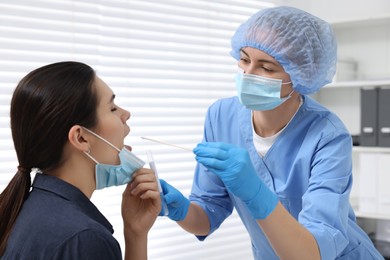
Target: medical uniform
309	167
58	221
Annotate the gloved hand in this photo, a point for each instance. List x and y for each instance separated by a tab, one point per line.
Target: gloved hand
178	205
233	165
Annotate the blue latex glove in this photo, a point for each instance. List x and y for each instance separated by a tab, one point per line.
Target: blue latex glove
233	165
178	205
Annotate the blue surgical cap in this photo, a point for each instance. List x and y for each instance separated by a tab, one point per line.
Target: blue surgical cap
303	44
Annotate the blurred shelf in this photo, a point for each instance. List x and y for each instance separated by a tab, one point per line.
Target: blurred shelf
372	215
361	22
371	149
359	214
359	84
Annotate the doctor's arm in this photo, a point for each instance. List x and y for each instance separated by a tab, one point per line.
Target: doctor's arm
289	239
190	216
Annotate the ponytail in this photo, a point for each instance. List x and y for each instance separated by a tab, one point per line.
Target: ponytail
11	201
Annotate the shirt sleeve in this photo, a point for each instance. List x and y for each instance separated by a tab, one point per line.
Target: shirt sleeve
326	205
208	191
91	245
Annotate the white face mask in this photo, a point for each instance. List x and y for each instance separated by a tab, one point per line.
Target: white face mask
259	93
108	175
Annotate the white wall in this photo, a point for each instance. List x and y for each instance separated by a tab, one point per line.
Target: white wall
336	10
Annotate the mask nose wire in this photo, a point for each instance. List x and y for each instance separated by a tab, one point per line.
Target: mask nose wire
101	138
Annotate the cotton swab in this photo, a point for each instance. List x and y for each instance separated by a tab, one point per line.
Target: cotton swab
162	142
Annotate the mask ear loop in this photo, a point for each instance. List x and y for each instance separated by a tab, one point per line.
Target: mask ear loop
101	138
90	156
289	95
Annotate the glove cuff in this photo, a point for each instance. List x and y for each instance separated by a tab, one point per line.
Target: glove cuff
263	203
179	210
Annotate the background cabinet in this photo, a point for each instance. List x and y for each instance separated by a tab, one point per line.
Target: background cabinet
367	43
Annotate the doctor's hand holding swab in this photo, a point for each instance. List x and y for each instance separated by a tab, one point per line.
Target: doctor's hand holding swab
175	205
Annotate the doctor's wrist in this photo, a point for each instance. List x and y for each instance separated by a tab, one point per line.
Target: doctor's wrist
263	203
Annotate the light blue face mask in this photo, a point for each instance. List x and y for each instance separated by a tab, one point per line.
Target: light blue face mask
108	175
259	93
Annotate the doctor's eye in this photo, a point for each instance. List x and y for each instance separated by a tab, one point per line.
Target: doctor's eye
244	60
113	109
266	69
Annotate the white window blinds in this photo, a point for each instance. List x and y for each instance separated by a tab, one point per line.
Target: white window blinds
166	61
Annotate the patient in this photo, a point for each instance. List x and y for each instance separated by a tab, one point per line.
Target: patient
67	130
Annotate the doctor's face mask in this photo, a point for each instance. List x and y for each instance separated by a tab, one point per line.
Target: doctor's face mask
108	175
259	93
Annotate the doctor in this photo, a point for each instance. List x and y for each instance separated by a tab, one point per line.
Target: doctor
281	159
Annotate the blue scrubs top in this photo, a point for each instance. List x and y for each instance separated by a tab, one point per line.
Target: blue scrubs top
309	167
58	221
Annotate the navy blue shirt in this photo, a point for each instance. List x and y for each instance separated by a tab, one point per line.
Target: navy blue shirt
57	221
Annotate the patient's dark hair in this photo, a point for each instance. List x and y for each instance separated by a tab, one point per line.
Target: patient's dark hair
46	103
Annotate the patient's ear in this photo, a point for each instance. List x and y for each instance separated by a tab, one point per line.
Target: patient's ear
78	138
